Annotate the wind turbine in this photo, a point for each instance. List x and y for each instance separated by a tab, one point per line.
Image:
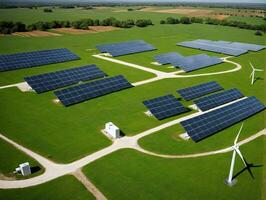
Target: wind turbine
253	73
236	150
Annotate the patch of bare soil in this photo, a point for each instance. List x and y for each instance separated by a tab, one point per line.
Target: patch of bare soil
220	17
92	29
186	11
3	177
35	34
103	28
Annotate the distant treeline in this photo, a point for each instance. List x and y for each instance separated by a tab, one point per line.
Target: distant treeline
7	27
94	3
211	21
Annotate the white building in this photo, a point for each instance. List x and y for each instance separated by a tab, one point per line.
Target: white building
24	169
112	130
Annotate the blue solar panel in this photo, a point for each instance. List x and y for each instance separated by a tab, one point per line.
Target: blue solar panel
50	81
213	48
214	121
124	48
196	62
164	106
225	47
214	100
83	92
35	58
199	90
168	58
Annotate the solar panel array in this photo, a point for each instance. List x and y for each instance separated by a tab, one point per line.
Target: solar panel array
209	123
164	106
168	58
214	100
225	47
83	92
196	62
189	63
50	81
199	90
124	48
35	58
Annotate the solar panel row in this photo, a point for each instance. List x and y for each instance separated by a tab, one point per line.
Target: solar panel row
83	92
168	58
189	63
196	62
199	90
35	58
50	81
214	100
213	48
225	47
124	48
164	106
209	123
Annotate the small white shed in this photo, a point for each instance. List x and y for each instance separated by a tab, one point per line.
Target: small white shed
25	169
112	130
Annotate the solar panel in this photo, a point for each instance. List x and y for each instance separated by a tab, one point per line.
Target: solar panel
50	81
199	90
124	48
164	106
212	122
214	100
213	48
83	92
196	62
168	58
35	58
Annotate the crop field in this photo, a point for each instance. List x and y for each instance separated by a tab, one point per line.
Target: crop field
70	136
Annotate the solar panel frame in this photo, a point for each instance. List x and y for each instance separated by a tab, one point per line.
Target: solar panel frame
217	99
54	80
200	90
15	61
94	89
208	124
164	106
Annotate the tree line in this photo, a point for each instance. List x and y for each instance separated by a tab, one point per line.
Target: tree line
211	21
8	27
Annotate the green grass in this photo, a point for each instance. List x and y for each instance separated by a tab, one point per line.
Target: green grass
248	20
66	187
59	130
10	158
128	174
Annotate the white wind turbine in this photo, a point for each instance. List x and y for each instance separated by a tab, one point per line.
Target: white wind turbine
236	150
253	73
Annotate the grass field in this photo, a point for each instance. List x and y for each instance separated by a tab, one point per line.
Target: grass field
10	158
128	174
67	134
66	187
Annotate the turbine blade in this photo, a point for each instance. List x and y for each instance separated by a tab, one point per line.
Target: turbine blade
240	155
238	133
251	65
259	70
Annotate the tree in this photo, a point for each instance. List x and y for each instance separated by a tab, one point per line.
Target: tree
185	20
48	10
258	33
162	21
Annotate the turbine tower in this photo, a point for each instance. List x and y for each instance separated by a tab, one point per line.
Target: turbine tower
236	150
252	75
